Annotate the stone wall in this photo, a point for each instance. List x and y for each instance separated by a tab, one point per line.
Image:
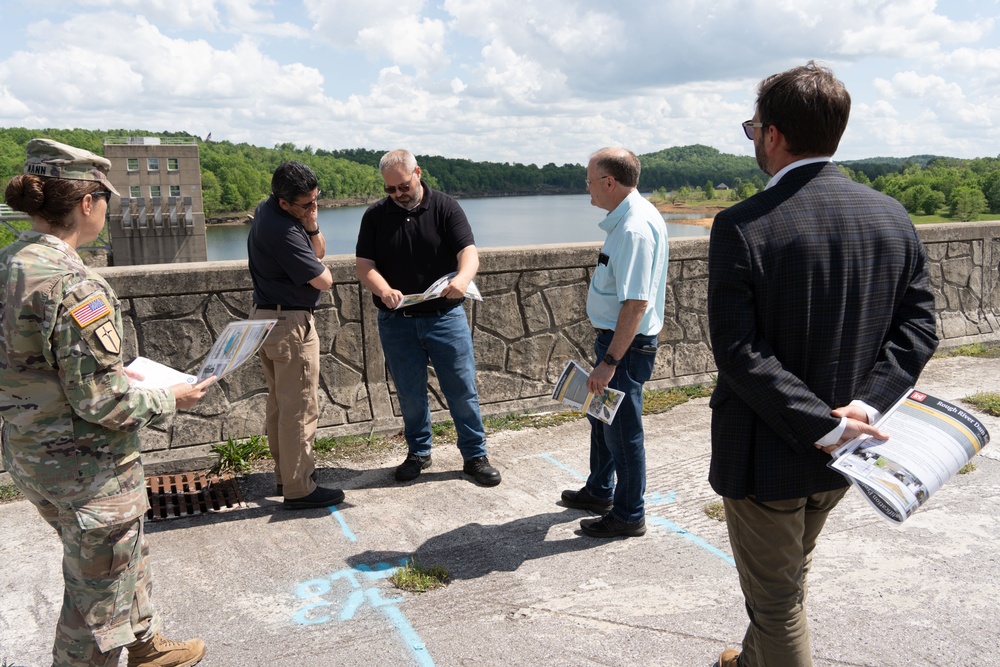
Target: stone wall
531	321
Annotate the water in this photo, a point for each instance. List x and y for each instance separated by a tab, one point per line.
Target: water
496	221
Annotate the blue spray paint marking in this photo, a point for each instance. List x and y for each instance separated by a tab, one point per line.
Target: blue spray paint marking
660	499
343	525
657	498
318	611
563	466
673	527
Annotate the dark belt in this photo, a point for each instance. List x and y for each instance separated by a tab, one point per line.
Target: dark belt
605	331
423	313
279	307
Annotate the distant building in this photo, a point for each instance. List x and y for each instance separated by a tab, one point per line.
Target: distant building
721	186
160	218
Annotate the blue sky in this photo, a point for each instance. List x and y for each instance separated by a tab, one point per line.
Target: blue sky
531	82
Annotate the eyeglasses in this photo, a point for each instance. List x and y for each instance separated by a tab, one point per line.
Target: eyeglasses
588	181
309	204
402	187
102	193
748	126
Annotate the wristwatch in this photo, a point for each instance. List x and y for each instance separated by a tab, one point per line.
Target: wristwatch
611	361
313	233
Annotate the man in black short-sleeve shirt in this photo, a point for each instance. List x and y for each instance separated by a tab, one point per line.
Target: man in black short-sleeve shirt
407	241
284	249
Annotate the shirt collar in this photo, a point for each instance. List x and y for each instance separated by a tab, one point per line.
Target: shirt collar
798	163
31	236
612	219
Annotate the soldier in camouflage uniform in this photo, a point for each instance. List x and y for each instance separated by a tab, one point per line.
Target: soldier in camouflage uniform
70	415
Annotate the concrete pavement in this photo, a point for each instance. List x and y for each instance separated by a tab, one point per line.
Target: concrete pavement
263	586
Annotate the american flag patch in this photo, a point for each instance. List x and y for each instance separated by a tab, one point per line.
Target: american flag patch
91	310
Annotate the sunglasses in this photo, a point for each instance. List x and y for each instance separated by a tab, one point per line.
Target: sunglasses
391	189
102	193
309	204
748	127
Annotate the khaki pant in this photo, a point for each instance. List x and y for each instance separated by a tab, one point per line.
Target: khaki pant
773	544
290	357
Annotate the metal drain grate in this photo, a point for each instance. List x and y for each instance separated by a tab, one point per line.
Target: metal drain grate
189	493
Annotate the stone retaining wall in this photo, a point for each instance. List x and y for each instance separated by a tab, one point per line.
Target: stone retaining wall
531	321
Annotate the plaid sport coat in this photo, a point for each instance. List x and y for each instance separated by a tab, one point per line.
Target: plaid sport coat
818	293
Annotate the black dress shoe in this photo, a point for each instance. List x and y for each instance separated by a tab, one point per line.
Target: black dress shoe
581	500
411	467
481	469
320	497
608	526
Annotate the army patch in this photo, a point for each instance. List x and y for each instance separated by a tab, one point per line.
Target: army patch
108	335
91	310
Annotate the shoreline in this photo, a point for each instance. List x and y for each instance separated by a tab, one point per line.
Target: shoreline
245	217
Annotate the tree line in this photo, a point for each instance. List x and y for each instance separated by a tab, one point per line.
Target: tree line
235	177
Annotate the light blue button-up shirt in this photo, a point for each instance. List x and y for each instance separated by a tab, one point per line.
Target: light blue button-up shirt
637	251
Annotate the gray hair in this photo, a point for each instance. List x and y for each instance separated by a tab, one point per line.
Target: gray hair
620	163
398	158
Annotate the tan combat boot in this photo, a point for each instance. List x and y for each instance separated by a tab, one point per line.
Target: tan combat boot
729	658
163	652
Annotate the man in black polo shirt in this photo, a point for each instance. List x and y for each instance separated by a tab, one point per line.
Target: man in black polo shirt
407	241
284	248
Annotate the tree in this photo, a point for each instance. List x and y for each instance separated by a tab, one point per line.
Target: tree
709	190
967	203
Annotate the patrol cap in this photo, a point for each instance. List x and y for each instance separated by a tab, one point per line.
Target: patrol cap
55	160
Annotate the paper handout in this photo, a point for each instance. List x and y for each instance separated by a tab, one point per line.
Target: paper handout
434	291
238	342
571	389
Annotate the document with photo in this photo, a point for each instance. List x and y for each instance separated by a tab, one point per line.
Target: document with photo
930	441
239	342
434	291
571	389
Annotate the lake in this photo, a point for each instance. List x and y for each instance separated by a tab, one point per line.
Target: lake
496	221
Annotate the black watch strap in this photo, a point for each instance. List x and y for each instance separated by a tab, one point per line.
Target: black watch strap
313	233
611	361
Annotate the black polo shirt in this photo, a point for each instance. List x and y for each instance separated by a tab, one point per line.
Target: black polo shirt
281	258
412	249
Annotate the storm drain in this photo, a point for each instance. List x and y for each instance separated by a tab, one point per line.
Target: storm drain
190	493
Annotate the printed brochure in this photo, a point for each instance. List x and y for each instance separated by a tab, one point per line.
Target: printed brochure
571	390
930	441
239	342
434	291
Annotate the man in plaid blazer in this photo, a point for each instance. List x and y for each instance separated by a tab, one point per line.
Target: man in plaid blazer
821	316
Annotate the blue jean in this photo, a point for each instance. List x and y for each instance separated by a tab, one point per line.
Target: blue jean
618	449
445	341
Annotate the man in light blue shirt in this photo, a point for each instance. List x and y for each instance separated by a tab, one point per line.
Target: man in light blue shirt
625	305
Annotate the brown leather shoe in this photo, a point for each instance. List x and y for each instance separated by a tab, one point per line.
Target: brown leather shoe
163	652
729	658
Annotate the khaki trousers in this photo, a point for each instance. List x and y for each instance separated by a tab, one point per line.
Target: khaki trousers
290	357
773	544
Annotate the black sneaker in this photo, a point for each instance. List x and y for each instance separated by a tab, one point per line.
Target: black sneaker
411	467
608	526
279	489
320	497
481	469
581	500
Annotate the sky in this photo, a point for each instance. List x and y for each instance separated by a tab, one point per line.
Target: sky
532	81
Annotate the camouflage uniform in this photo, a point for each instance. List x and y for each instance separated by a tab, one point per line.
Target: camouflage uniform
69	442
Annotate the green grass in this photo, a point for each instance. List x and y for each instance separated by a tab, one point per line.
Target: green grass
715	510
660	400
987	401
967	468
238	456
9	492
417	578
947	217
982	350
